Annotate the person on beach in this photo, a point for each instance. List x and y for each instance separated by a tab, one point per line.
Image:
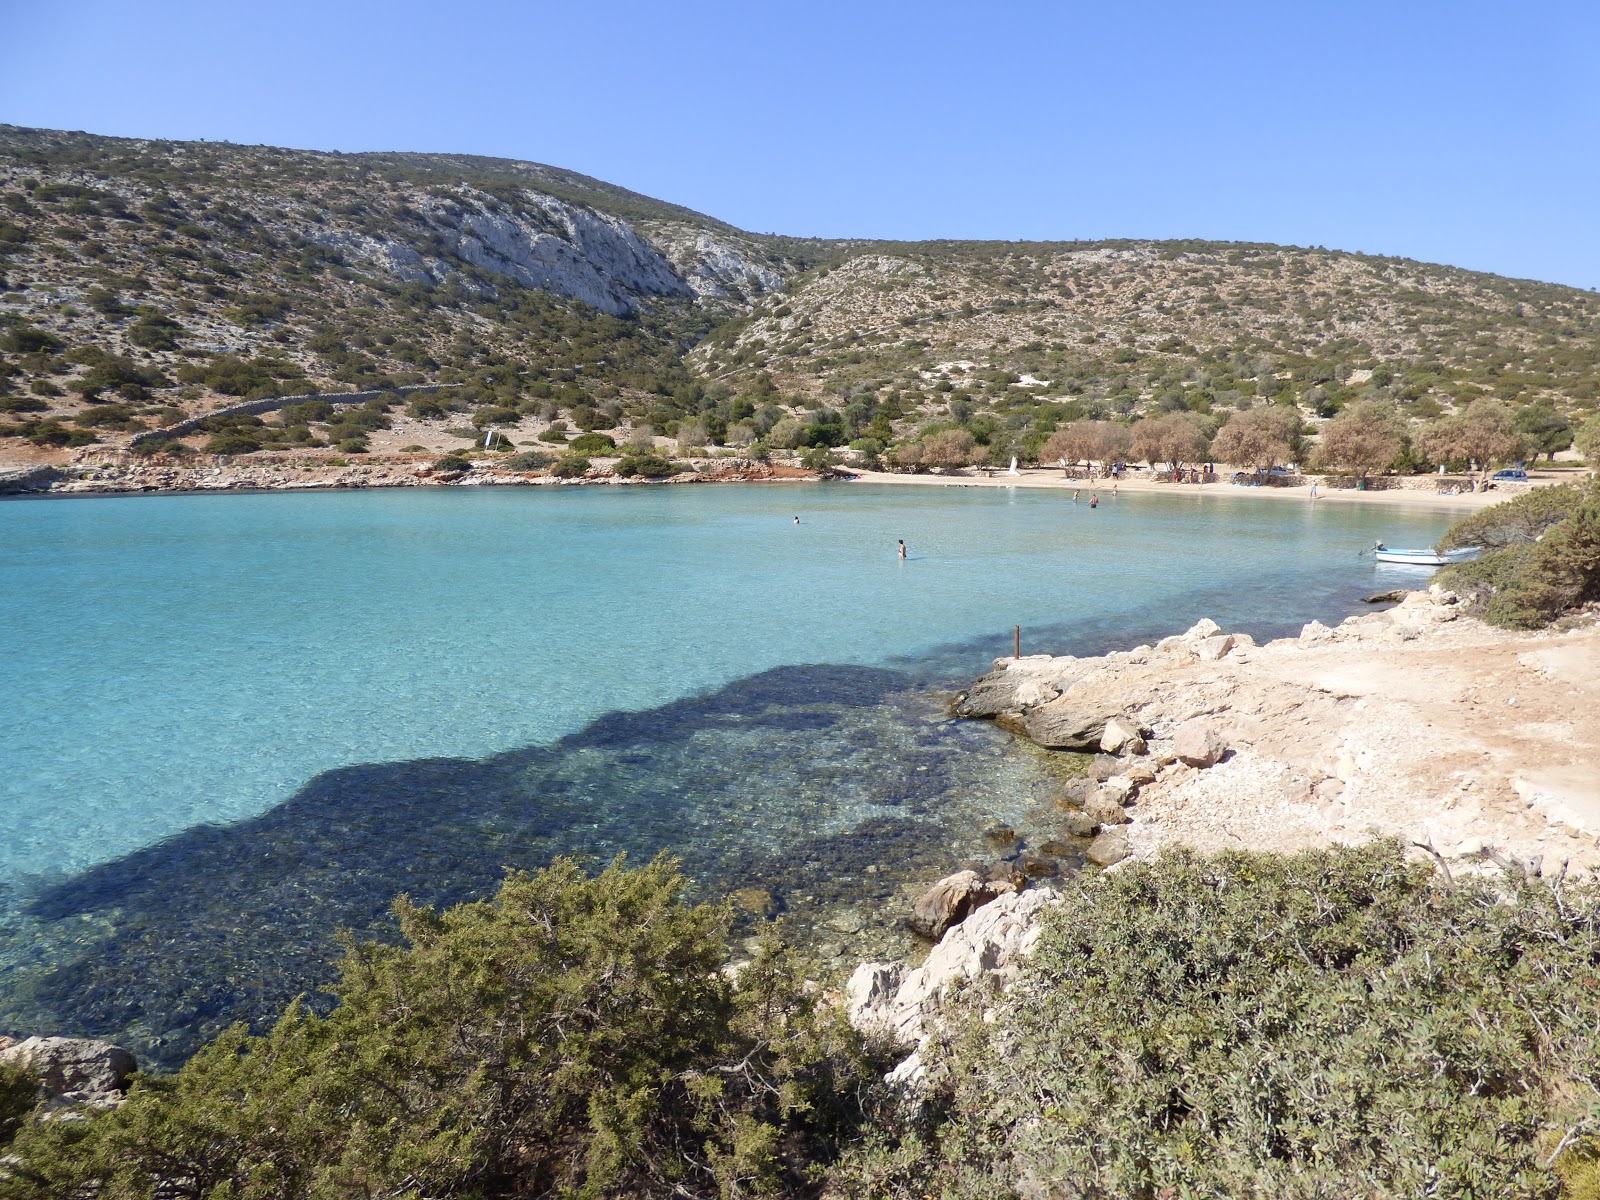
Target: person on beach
1313	491
1114	488
902	547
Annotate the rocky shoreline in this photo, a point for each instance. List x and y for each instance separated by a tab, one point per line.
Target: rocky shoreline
120	473
1469	744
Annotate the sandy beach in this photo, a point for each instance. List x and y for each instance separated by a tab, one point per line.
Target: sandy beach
1421	496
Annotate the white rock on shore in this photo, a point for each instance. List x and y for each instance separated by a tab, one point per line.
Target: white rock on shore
888	1004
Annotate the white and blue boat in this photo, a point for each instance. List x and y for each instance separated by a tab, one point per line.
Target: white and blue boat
1424	558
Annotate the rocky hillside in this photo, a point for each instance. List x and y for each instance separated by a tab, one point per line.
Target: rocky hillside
145	281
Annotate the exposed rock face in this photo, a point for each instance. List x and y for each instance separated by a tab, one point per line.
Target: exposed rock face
1198	744
716	267
888	1004
954	897
539	241
74	1071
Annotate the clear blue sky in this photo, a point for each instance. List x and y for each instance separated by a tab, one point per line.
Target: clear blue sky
1466	133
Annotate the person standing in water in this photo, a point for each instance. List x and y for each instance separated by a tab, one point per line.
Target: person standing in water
1076	492
1094	500
797	520
902	547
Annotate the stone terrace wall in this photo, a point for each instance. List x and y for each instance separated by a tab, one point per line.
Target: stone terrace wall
273	403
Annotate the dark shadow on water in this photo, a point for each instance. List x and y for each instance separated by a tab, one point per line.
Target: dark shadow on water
795	781
222	923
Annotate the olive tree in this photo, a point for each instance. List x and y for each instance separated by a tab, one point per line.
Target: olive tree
1174	439
1485	435
1260	437
1361	439
1101	442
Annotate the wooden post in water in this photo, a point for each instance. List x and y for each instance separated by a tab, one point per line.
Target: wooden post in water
1016	641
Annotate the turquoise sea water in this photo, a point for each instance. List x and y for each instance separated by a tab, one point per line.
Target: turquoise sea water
234	722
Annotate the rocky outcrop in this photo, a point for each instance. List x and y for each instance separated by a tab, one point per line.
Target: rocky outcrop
74	1071
37	478
717	267
536	239
889	1004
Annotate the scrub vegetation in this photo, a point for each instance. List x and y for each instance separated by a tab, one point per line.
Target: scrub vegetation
1332	1023
1542	559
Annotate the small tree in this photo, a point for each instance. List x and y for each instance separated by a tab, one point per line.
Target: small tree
1174	439
1547	431
1361	439
1260	437
1101	442
1588	441
952	448
1485	434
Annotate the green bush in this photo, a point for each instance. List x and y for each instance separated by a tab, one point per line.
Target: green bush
529	460
557	433
591	443
26	339
155	331
495	414
19	1095
650	466
454	461
51	433
1334	1024
232	442
1544	559
570	466
573	1037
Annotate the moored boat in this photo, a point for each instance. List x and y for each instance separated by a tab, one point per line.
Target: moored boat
1424	558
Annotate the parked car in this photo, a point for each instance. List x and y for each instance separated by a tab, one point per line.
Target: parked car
1509	475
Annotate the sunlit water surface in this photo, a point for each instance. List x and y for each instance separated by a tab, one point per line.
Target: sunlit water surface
237	722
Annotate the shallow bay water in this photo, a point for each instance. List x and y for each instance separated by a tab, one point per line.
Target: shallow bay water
236	723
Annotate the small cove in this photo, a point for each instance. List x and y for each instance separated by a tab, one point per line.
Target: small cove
238	722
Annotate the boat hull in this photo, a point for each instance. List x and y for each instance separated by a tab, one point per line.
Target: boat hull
1426	558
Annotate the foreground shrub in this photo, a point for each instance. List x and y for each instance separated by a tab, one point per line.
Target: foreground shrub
1334	1024
572	1036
